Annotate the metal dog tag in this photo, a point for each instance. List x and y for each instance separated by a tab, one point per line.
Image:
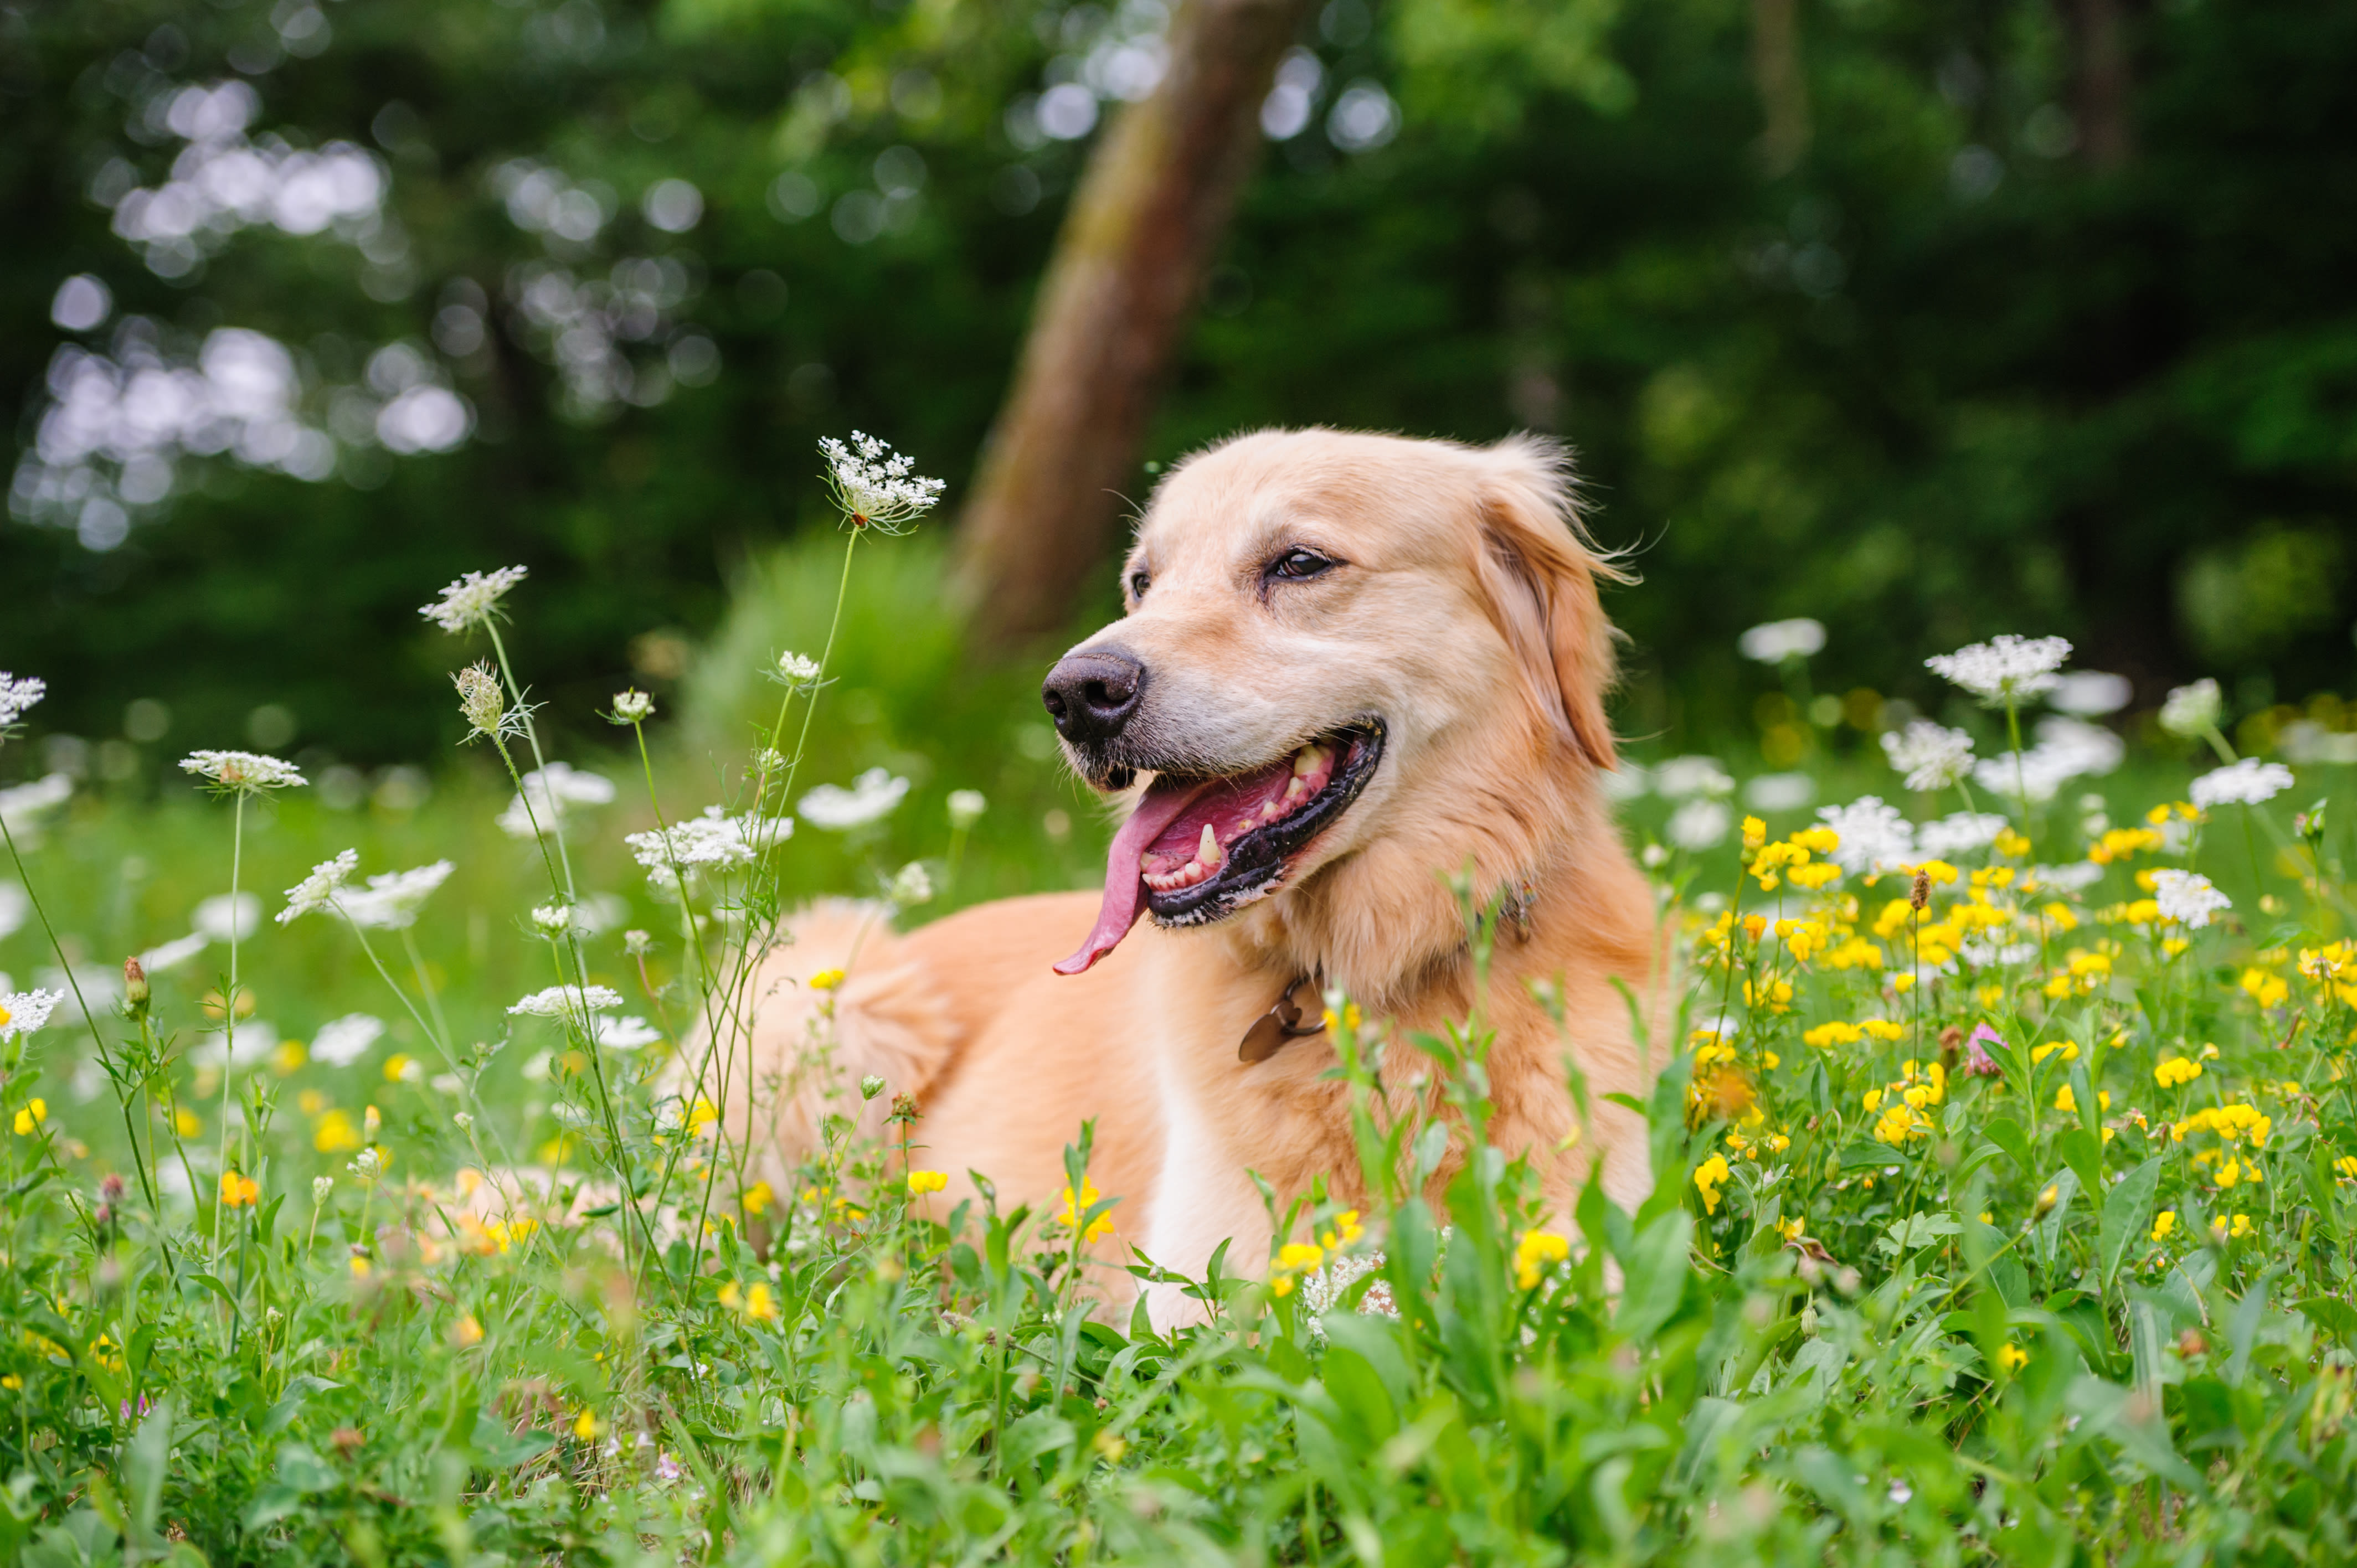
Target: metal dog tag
1283	1022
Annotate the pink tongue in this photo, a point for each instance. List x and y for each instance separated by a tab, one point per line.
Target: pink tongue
1125	894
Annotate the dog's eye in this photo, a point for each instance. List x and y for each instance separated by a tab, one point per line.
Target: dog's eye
1297	564
1138	583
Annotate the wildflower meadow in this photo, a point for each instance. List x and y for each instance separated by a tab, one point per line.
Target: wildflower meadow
2004	1147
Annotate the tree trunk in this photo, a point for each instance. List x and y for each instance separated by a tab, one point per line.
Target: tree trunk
1783	89
2104	81
1129	265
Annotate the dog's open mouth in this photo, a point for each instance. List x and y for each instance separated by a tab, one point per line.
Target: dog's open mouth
1197	850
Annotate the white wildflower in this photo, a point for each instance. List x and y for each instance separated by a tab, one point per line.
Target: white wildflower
911	887
2006	669
318	890
234	772
795	669
1984	954
320	1188
22	1012
23	806
464	1120
2187	898
1931	756
2244	783
1780	792
552	920
1698	825
2091	694
549	793
366	1165
713	841
2075	877
874	484
638	943
1960	832
224	919
2066	749
2193	711
343	1041
392	899
1683	775
623	1033
472	600
967	807
632	706
872	797
17	695
1630	781
1874	837
568	1002
1776	640
2303	741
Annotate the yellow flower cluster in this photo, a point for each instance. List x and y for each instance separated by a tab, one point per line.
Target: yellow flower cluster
239	1191
1075	1206
1709	1177
923	1182
754	1304
2232	1124
1293	1259
1825	1036
2121	842
1906	1105
1534	1253
1789	860
2176	1071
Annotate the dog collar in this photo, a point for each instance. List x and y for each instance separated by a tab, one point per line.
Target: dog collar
1284	1023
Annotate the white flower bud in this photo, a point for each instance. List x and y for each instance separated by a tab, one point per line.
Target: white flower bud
320	1188
967	807
552	919
632	706
637	943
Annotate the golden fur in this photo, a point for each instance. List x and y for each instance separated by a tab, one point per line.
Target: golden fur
1466	613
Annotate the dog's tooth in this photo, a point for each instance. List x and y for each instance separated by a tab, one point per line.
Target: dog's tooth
1208	852
1295	789
1309	760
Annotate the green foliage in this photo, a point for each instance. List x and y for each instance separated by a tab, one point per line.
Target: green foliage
1947	373
1878	1307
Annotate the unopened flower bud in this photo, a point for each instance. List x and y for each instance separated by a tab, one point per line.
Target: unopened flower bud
795	669
552	919
870	1087
465	1121
135	986
637	943
1920	894
372	1121
2045	1204
912	885
967	807
480	699
632	706
320	1188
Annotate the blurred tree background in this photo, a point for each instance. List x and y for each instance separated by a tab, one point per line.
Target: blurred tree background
1928	320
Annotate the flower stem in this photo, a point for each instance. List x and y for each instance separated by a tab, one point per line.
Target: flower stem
2020	774
228	1011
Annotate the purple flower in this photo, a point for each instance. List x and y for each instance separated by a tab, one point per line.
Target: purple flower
668	1468
1978	1063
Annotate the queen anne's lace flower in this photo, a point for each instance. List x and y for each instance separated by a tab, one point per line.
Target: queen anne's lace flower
1683	775
796	669
248	772
967	807
16	695
392	899
568	1002
1931	756
2243	783
549	793
2187	896
2192	711
2066	749
1874	836
711	841
318	890
2091	694
871	797
623	1033
1774	641
1697	825
2006	669
22	1012
23	806
343	1041
472	600
872	483
1959	832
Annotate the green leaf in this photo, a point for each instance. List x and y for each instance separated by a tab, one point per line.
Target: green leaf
304	1470
2083	1153
2127	1212
1868	1154
1657	1274
2332	1315
2007	1134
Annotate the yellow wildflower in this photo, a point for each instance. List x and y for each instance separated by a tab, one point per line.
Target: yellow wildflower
826	980
34	1114
239	1191
1882	1029
1069	1218
2011	1358
1708	1178
923	1182
1534	1252
2163	1223
2176	1071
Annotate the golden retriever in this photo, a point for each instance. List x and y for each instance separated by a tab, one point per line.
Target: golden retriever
1350	667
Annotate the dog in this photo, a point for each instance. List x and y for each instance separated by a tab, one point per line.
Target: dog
1350	666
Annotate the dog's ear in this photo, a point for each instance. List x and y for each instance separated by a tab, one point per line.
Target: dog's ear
1540	577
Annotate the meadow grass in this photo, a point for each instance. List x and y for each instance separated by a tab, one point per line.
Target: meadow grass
1996	1218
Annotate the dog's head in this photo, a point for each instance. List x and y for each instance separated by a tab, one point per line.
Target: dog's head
1348	663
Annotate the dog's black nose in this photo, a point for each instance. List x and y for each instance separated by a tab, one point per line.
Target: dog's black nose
1091	695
